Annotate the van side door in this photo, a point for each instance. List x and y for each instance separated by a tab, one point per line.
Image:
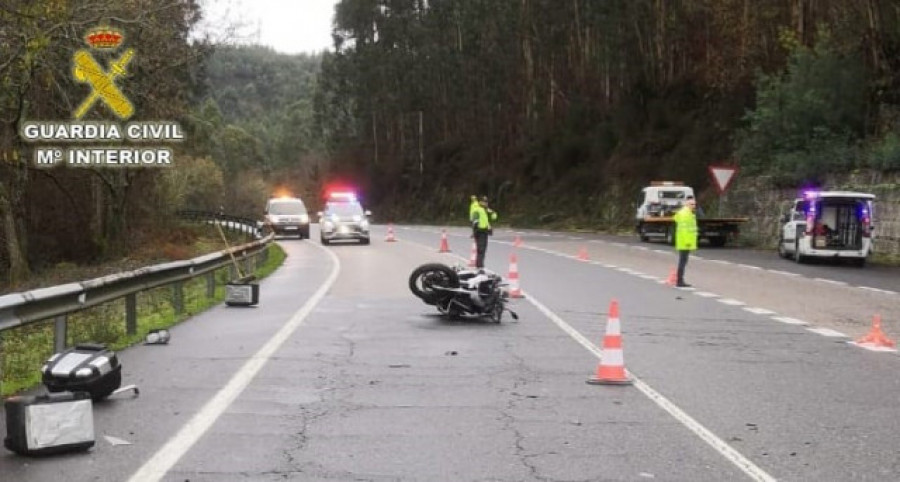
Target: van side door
795	221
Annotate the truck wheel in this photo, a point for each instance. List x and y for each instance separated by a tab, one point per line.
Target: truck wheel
642	234
781	251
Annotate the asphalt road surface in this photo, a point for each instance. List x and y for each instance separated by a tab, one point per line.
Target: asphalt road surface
342	374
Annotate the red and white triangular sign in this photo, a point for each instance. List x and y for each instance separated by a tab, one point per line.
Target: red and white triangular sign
722	176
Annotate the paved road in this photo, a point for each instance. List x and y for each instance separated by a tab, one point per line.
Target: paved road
341	374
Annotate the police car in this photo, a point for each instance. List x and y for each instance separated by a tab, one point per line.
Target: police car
343	218
287	216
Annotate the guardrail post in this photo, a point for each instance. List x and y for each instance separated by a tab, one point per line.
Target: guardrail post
59	333
211	284
248	265
232	272
131	314
178	297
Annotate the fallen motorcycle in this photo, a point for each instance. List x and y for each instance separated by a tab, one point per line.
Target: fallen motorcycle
459	292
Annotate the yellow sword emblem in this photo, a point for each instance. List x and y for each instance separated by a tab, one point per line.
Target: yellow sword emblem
102	83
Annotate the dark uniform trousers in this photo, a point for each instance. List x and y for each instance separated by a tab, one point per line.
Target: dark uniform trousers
481	241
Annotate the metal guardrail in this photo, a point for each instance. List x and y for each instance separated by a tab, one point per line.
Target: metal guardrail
57	302
227	221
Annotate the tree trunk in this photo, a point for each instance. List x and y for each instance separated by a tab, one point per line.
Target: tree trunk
15	252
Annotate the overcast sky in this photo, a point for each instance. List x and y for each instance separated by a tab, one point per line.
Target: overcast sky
288	26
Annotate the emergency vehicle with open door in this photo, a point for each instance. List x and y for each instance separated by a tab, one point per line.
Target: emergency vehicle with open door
829	224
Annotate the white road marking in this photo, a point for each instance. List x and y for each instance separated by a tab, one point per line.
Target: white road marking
785	273
877	290
719	445
748	266
827	332
789	321
871	347
830	281
759	311
170	453
729	301
706	294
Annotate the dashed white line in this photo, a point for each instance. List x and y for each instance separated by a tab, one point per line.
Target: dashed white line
790	321
784	273
871	347
706	294
748	266
827	332
732	302
830	281
759	311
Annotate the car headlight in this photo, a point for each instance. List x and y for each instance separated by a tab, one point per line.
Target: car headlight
304	218
364	224
327	225
357	218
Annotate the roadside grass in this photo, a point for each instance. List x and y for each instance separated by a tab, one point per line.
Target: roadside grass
23	350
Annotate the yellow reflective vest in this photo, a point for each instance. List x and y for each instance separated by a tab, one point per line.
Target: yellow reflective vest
481	218
686	229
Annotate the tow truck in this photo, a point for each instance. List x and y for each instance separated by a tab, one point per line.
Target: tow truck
660	200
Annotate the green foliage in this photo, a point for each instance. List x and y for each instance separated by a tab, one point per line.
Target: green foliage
806	120
884	154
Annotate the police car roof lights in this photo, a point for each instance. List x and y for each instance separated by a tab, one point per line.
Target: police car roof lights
346	196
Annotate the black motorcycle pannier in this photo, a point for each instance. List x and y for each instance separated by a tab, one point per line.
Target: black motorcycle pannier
49	424
88	367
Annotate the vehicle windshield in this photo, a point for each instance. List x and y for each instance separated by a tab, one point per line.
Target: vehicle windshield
345	209
282	208
672	194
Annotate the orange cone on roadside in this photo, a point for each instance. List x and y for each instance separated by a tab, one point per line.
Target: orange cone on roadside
875	336
673	277
611	369
583	254
517	242
445	247
514	290
390	234
473	257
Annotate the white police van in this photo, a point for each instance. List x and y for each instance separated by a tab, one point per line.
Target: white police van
829	224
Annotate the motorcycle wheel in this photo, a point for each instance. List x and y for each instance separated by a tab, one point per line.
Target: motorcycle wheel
425	278
497	311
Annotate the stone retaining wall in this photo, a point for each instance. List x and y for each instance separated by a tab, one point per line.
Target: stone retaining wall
764	205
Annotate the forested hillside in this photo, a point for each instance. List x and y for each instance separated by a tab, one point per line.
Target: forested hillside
557	109
564	107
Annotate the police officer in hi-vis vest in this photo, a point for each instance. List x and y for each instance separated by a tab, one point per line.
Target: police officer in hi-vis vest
685	236
481	216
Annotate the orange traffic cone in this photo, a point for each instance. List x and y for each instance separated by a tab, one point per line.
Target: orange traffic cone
390	234
473	257
673	278
445	248
875	336
517	242
583	254
611	369
514	290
